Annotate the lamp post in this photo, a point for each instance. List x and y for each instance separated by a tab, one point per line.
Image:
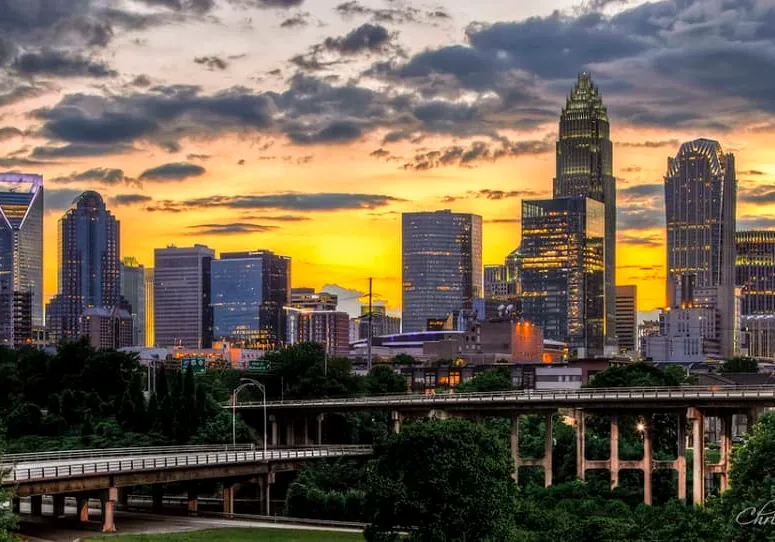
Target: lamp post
246	382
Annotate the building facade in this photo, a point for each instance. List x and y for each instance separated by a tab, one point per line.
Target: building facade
150	330
183	314
249	293
563	271
627	318
755	270
108	329
331	329
585	168
89	266
308	298
381	322
21	258
133	290
700	207
441	265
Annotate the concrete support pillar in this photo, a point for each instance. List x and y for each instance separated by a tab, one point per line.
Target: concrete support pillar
290	433
36	505
307	439
108	500
157	498
395	416
548	450
59	506
193	501
726	450
680	461
614	451
274	432
698	467
268	481
320	429
581	460
228	499
16	505
515	445
82	505
647	465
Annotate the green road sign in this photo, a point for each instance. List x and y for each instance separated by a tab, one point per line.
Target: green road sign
258	365
197	365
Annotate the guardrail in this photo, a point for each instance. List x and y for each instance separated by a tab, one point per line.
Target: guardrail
13	474
110	452
570	395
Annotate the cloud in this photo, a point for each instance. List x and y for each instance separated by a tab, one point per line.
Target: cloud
177	171
141	81
288	201
650	144
380	153
750	172
212	62
335	132
202	157
9	132
107	176
78	150
494	195
10	96
503	221
59	199
403	14
756	194
280	218
756	222
61	64
366	38
650	241
479	151
234	228
129	199
280	3
296	21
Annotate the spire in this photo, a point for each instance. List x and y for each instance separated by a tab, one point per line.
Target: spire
586	96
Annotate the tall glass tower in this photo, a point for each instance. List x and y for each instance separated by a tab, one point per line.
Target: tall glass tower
89	265
442	265
133	290
585	168
21	257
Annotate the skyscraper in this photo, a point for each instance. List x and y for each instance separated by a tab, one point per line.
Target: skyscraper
700	207
183	314
563	271
150	323
585	168
441	265
89	266
133	290
627	318
21	257
249	293
755	271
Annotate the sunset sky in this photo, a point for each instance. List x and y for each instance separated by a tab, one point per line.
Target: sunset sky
307	126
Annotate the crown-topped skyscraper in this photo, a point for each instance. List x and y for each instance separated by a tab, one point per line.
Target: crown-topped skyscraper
585	168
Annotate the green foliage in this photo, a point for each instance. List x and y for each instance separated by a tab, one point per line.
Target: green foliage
636	375
383	379
306	373
497	379
328	490
740	365
403	359
458	488
236	535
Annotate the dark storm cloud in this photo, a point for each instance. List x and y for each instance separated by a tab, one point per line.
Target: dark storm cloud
59	199
366	38
640	207
78	150
9	132
16	161
650	241
289	201
129	199
641	191
212	62
108	176
478	151
13	94
61	64
196	6
296	21
403	14
172	172
493	195
756	222
757	194
336	132
234	228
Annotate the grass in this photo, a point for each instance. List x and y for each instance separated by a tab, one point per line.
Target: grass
237	535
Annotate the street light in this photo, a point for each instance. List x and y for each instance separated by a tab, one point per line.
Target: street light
246	382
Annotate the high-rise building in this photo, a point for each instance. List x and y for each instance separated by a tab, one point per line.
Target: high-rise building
563	271
150	337
496	290
307	298
133	290
513	270
183	315
108	328
585	168
441	265
755	271
89	266
627	318
21	257
249	293
700	206
381	322
331	329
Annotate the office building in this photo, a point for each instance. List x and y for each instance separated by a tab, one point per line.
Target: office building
331	329
133	290
700	206
381	322
627	318
585	168
183	316
755	271
21	258
441	265
308	298
108	328
513	269
758	335
563	271
149	309
249	293
89	266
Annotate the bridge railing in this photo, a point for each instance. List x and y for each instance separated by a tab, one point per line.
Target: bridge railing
687	392
59	455
12	474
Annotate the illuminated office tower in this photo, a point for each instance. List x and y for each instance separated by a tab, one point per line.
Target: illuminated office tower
755	271
89	266
563	271
133	290
150	337
627	318
700	206
585	168
21	257
441	265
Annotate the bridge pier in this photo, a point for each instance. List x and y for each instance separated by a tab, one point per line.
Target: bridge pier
266	482
320	418
108	500
36	505
290	434
680	461
544	462
396	418
228	498
157	498
698	456
307	439
273	422
614	467
193	501
647	465
581	459
59	505
82	507
515	445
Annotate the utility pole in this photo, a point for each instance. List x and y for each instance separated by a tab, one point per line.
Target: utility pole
368	355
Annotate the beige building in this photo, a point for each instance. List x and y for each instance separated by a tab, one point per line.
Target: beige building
627	318
107	329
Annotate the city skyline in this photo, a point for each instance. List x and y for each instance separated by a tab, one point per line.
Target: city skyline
320	168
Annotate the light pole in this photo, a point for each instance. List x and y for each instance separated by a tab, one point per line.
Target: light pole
246	382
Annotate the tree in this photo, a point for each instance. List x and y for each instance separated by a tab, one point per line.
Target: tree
740	365
403	359
383	379
459	488
635	375
497	379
